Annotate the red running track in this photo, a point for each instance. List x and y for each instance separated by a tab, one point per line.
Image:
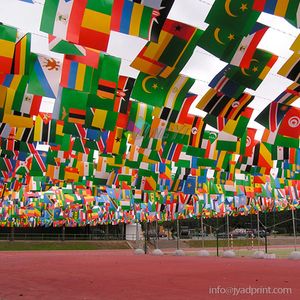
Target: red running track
118	274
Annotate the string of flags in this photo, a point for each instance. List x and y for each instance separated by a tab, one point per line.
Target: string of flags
120	149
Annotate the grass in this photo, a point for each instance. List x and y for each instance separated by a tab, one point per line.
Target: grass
59	245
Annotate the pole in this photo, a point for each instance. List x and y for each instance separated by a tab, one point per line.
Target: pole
156	230
202	231
137	235
265	227
294	229
258	230
177	244
217	237
228	239
146	237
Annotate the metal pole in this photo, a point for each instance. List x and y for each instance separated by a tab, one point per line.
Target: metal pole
146	237
202	231
177	243
258	230
156	230
228	240
265	227
294	229
217	237
137	235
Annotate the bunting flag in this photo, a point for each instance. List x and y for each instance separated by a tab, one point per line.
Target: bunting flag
175	46
44	76
272	115
8	36
287	9
21	59
233	15
95	24
156	91
78	76
62	18
60	45
291	68
218	104
290	124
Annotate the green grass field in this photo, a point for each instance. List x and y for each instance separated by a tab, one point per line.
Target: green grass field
66	245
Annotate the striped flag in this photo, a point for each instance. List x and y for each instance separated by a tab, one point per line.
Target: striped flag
62	18
78	76
8	36
22	55
175	46
291	69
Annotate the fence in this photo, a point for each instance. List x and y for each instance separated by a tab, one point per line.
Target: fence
61	236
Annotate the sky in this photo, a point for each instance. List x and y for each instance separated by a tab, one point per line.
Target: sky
202	66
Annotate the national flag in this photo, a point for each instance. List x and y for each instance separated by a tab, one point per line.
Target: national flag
62	18
261	63
290	124
272	115
226	142
247	142
265	156
42	128
225	85
171	151
95	25
104	119
73	106
238	127
124	89
160	14
288	9
8	36
290	95
44	76
246	49
29	104
218	104
196	135
133	18
62	46
233	14
109	67
39	166
291	69
21	61
175	46
156	91
78	76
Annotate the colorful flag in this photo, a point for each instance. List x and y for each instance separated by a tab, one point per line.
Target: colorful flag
291	69
78	76
44	76
288	9
272	115
95	25
21	59
8	36
156	91
261	63
290	124
59	45
175	46
233	14
246	49
62	18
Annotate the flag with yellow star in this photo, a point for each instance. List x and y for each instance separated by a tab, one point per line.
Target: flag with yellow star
260	65
234	14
